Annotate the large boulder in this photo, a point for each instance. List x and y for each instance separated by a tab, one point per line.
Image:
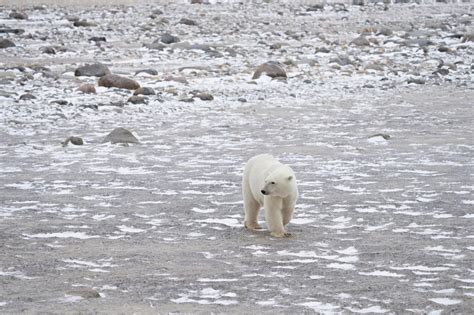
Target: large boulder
273	69
120	135
92	70
114	80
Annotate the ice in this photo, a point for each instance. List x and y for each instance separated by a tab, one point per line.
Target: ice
446	301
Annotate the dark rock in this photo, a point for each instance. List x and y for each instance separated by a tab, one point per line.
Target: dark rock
169	39
59	102
315	7
384	31
135	99
11	30
74	140
144	91
87	88
84	23
368	86
149	71
275	46
383	135
186	21
85	293
18	15
92	70
443	49
441	71
416	81
273	69
98	39
114	80
242	100
307	81
187	100
120	135
204	96
27	96
323	50
5	43
49	50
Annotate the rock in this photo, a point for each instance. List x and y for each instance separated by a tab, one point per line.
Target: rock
144	91
442	71
374	66
186	21
85	293
343	60
74	140
18	15
114	80
443	49
273	69
169	39
59	102
48	50
27	96
275	46
361	41
156	45
87	88
242	100
176	79
384	31
84	23
135	99
92	70
148	71
422	42
323	50
204	96
12	30
187	100
416	81
5	43
98	39
120	135
315	7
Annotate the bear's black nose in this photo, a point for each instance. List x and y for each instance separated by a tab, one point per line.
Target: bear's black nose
263	192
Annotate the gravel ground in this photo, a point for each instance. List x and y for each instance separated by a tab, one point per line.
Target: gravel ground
378	132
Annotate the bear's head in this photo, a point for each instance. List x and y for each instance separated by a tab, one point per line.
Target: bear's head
279	183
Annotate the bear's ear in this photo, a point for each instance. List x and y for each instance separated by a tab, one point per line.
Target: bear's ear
290	177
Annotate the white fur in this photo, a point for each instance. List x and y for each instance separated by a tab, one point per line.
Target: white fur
263	172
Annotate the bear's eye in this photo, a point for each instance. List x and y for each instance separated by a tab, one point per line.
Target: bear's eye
273	183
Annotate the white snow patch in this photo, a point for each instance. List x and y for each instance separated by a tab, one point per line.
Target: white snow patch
446	301
341	266
371	309
130	229
228	221
382	273
67	234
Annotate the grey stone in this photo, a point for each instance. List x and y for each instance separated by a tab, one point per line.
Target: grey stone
92	70
167	38
144	91
6	43
120	135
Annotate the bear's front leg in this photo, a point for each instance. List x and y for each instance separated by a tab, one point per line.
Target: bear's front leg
274	217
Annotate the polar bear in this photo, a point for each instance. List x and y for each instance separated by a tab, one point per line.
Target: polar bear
272	185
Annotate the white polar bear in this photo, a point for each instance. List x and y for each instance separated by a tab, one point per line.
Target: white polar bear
270	184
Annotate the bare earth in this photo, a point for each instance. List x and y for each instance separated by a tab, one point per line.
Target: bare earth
382	225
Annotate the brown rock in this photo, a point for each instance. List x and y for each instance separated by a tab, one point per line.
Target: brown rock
114	80
87	88
273	69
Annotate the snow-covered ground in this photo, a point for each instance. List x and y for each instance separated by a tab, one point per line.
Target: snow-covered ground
379	132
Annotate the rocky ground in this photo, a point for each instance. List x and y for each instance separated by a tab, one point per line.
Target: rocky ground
370	105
